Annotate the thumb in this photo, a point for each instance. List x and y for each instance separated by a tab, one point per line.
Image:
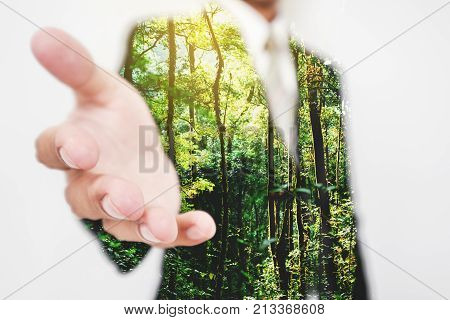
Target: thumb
65	58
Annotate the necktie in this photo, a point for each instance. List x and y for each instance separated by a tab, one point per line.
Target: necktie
281	91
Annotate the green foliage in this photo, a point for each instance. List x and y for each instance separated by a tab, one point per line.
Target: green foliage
198	186
126	255
252	269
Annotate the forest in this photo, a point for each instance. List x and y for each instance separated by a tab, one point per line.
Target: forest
285	228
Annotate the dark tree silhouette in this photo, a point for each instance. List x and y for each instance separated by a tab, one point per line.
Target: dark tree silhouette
223	162
314	82
270	190
171	88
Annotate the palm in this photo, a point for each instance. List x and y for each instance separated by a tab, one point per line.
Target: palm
115	122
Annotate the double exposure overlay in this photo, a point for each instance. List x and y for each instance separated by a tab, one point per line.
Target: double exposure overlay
285	229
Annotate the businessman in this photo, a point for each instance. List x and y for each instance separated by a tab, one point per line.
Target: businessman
98	145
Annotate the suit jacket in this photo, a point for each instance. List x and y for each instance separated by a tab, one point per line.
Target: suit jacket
286	226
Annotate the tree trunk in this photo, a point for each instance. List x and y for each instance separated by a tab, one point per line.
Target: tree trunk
291	204
170	117
282	253
300	200
240	234
314	78
171	88
284	242
301	197
191	51
129	61
270	188
223	163
327	149
338	156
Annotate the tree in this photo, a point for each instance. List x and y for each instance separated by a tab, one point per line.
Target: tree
171	88
338	155
270	191
314	82
129	60
223	161
191	54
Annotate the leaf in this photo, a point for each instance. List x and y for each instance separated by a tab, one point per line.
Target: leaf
319	185
303	190
115	244
103	237
266	243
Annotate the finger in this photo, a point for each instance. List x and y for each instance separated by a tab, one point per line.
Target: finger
104	197
66	147
194	227
65	58
157	227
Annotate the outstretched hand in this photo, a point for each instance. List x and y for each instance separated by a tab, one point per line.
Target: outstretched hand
98	148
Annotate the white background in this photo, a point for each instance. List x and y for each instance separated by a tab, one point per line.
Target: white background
399	135
114	310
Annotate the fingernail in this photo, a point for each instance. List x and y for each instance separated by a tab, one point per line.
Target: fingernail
110	208
147	234
67	160
194	233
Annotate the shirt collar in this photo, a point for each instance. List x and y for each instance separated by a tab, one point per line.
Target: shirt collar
255	29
